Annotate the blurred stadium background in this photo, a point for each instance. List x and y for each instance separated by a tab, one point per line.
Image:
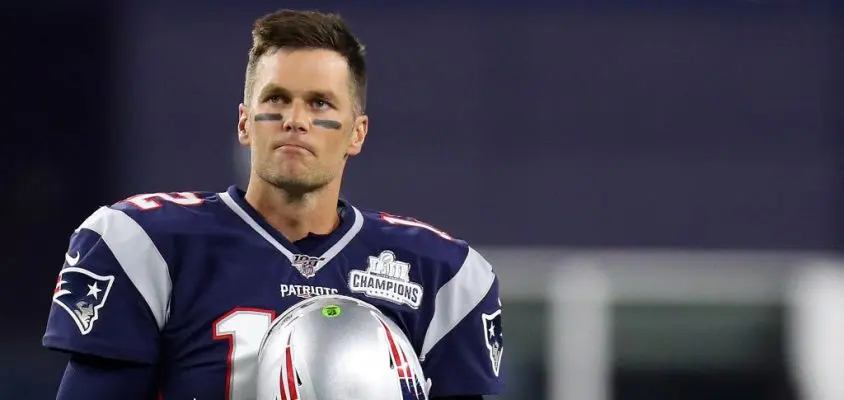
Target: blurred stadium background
658	184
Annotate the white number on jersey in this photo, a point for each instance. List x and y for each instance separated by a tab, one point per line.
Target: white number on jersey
150	201
394	219
244	328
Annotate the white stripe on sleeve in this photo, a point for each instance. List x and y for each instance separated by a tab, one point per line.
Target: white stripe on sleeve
137	255
458	297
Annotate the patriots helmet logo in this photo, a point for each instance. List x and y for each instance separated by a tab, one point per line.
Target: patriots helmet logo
82	294
411	388
494	339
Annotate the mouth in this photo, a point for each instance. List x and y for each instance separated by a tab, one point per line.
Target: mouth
293	148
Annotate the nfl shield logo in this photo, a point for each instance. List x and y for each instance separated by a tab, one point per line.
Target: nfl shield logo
306	265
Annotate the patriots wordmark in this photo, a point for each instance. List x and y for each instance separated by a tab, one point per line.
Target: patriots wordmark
306	291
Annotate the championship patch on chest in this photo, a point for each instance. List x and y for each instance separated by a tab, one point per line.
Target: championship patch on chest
387	279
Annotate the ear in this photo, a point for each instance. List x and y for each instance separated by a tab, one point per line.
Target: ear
243	125
361	127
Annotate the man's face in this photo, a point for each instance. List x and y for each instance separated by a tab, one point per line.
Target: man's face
300	124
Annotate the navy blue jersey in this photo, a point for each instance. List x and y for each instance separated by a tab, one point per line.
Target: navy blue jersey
189	282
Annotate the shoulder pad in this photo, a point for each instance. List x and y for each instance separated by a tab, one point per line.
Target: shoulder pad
155	201
416	236
157	210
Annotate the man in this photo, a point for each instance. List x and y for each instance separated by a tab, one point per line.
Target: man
169	294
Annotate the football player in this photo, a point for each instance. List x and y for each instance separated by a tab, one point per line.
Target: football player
335	347
170	294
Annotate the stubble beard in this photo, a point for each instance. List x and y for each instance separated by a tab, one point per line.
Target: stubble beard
296	185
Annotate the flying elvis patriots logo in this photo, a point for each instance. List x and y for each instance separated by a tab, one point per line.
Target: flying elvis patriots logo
82	294
494	339
411	388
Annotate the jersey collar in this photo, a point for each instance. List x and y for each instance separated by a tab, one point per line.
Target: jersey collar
350	226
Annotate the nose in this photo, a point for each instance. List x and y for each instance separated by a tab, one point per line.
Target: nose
297	120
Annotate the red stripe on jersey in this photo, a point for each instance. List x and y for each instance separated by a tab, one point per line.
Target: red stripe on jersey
291	372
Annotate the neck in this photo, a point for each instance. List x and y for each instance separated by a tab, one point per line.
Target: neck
295	216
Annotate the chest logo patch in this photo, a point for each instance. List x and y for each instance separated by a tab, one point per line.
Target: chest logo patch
387	279
307	265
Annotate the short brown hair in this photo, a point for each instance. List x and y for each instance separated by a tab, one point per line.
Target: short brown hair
290	29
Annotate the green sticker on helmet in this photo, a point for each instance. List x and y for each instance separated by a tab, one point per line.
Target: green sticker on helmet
331	311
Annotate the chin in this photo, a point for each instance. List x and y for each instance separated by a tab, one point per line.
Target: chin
293	183
294	178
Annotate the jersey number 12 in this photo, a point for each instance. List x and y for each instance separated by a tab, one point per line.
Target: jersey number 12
244	328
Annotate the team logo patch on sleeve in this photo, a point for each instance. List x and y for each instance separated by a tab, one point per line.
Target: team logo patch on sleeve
388	279
82	294
494	337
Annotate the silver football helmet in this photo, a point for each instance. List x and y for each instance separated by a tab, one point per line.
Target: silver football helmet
335	347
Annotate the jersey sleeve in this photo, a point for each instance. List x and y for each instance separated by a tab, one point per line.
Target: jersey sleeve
111	298
463	344
101	379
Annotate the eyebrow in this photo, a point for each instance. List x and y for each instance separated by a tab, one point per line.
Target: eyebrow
273	89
